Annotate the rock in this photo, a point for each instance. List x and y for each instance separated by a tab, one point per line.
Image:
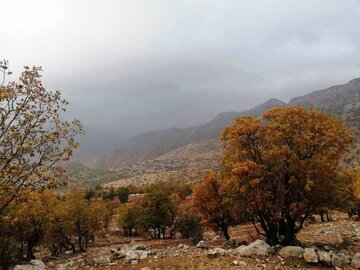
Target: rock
140	247
116	254
310	255
324	257
202	245
355	262
257	248
32	265
291	252
339	259
145	268
183	246
132	257
215	252
236	263
231	243
143	255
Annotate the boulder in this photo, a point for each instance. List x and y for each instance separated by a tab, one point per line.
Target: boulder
310	255
215	252
140	247
339	260
258	248
232	243
132	257
202	245
117	254
324	257
355	262
32	265
291	252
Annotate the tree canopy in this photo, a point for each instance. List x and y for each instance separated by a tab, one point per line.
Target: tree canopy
34	138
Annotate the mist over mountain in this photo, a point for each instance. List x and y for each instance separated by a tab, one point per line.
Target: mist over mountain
341	100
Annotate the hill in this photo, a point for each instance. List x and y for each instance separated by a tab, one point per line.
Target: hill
150	145
185	154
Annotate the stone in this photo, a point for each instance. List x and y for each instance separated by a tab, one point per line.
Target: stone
355	262
324	257
231	243
291	252
117	254
32	265
310	255
215	252
145	268
202	245
140	247
339	259
258	248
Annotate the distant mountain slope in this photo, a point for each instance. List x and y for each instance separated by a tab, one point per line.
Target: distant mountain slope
342	100
153	144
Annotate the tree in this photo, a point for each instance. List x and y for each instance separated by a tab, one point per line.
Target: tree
188	223
23	226
89	194
130	220
33	136
123	194
84	218
109	196
286	164
354	207
158	210
218	201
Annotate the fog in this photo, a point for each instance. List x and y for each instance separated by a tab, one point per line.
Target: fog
133	66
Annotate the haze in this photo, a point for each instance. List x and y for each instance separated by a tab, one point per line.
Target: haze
134	66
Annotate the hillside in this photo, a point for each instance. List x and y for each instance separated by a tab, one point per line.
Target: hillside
153	144
343	101
186	154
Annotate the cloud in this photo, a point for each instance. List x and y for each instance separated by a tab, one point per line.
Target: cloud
132	66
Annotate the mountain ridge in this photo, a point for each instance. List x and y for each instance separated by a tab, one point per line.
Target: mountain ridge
342	100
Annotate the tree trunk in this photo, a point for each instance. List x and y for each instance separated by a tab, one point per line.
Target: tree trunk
225	232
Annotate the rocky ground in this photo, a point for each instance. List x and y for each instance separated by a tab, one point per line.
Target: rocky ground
328	245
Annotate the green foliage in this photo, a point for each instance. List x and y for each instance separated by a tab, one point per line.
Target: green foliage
189	226
158	210
130	220
123	194
89	194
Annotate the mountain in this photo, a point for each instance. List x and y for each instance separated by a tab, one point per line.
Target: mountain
341	100
186	154
344	102
150	145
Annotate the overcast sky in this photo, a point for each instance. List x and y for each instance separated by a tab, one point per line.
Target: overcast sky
133	66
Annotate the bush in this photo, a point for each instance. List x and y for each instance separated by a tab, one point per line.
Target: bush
189	226
123	194
129	220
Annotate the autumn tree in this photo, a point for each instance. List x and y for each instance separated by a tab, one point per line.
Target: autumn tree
84	217
218	200
34	138
286	164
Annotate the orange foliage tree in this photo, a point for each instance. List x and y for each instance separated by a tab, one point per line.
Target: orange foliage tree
218	201
286	165
33	136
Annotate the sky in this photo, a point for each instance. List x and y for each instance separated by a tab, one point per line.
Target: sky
130	66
